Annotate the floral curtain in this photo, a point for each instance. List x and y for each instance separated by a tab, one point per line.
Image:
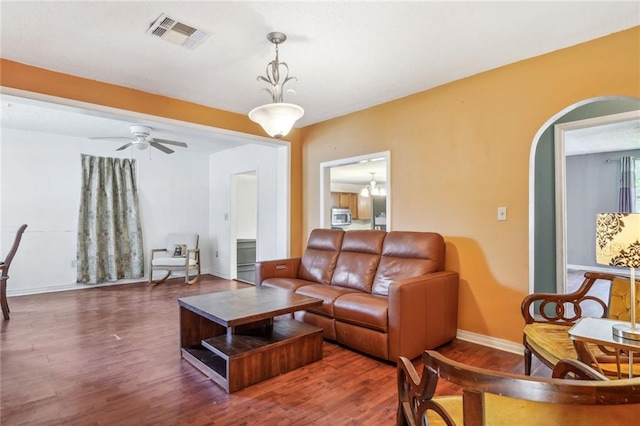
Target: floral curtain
627	198
109	230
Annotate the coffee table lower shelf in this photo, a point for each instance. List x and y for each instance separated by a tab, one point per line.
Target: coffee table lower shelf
236	361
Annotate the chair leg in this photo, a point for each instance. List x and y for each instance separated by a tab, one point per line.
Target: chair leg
3	298
160	281
527	361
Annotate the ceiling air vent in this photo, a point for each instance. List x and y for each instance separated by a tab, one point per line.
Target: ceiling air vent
177	32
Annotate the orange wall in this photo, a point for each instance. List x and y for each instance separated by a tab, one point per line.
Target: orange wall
37	80
460	150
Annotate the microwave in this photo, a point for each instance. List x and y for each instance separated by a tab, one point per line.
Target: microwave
340	217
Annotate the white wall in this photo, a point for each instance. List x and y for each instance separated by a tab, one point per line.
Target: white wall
272	172
40	186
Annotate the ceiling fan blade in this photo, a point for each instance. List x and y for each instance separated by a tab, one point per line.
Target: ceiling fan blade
161	147
168	142
125	146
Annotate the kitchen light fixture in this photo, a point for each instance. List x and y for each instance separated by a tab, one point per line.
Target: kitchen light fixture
618	244
276	118
372	188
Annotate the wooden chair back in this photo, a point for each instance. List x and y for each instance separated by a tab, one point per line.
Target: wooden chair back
12	251
4	276
490	397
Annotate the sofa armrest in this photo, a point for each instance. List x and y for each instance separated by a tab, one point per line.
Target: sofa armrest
423	313
552	307
282	268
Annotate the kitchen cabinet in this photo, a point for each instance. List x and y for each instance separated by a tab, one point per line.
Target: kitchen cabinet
346	200
335	200
364	207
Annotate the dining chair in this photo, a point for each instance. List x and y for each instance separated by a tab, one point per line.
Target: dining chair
575	395
4	266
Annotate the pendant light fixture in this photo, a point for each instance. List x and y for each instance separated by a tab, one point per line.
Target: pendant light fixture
372	188
278	117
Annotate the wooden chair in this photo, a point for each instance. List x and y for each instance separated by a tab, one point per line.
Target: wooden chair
4	266
549	316
496	398
181	254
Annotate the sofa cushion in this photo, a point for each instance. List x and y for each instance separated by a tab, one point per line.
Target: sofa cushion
406	255
327	293
363	309
290	284
358	259
320	256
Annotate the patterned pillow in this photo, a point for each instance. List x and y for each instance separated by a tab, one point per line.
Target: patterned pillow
179	250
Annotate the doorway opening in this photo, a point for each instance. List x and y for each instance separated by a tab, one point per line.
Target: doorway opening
587	153
348	177
244	225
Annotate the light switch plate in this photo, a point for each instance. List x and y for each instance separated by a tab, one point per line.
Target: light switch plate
502	213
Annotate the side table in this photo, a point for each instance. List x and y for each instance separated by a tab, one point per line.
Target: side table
599	331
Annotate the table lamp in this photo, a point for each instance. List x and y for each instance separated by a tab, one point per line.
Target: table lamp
618	244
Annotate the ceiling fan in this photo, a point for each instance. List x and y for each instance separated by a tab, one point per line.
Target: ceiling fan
142	140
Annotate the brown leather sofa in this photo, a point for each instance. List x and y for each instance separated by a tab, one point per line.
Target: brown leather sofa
384	293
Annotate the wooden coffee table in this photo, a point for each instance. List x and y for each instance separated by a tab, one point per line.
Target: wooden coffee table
231	336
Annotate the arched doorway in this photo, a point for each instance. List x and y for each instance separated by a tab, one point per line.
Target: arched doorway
544	226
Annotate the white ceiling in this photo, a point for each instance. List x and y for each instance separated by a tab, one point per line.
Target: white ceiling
40	116
620	136
360	172
346	55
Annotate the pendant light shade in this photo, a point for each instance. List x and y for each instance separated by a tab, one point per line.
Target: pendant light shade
276	119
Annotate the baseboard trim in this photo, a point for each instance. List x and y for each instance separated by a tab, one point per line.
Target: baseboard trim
77	286
69	287
491	342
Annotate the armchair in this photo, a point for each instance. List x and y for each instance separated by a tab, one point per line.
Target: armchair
181	254
548	318
492	398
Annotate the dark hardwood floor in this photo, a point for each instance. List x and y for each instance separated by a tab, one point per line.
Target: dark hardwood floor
110	356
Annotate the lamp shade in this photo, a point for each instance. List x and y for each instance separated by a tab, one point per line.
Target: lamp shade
618	239
276	119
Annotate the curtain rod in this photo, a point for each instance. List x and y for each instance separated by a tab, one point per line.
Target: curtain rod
609	160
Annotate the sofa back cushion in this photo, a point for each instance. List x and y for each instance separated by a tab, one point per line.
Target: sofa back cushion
406	255
358	259
319	259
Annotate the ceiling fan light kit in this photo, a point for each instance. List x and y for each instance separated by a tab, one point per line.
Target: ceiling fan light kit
278	117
